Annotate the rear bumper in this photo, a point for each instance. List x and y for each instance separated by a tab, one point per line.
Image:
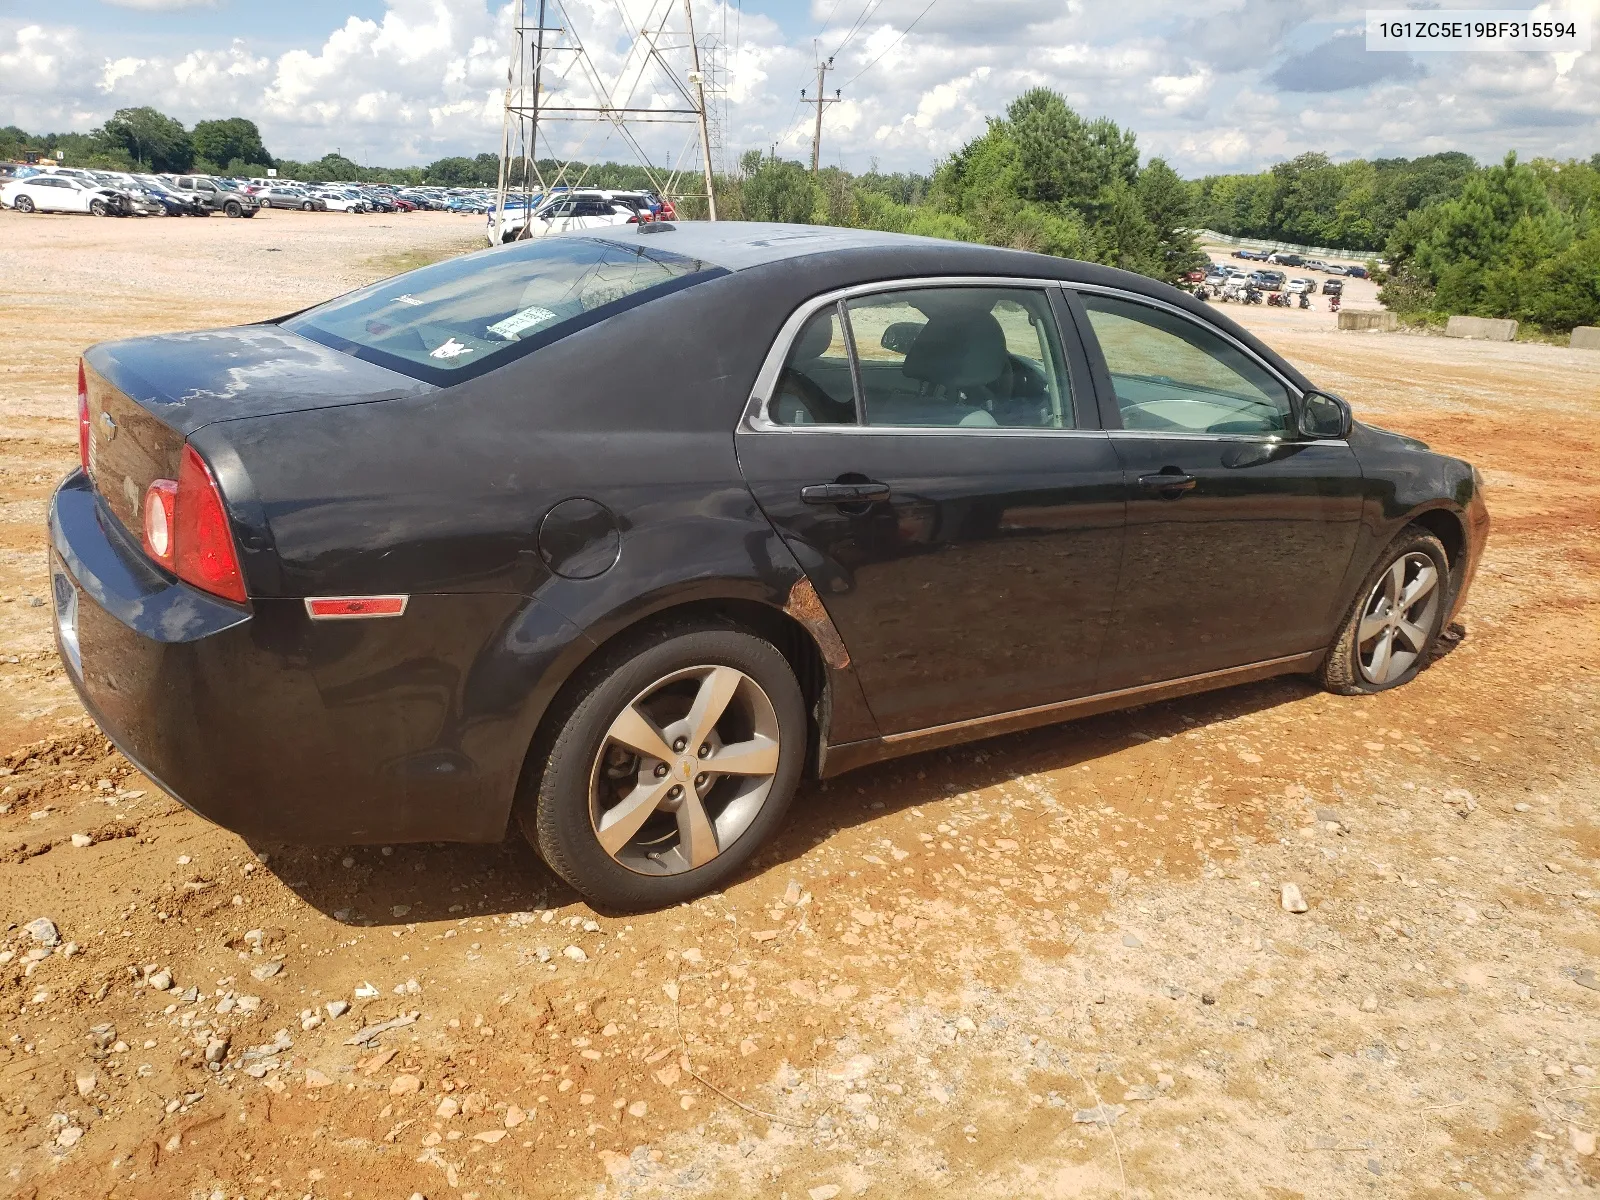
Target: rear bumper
281	728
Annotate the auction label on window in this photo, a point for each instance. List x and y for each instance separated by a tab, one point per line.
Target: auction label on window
1492	29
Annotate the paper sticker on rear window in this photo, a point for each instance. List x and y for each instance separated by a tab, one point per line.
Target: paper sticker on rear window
518	322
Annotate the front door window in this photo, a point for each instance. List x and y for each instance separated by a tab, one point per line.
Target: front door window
1172	376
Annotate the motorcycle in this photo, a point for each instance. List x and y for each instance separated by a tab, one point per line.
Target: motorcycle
1333	304
1305	300
1277	300
1251	296
1200	293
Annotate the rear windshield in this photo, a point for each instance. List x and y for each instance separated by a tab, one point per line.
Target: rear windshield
459	318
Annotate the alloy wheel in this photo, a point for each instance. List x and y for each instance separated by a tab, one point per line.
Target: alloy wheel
683	770
1397	618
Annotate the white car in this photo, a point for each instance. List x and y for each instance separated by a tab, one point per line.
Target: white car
61	193
338	201
1296	286
567	210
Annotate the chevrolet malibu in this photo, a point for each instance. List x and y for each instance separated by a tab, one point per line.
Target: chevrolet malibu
614	536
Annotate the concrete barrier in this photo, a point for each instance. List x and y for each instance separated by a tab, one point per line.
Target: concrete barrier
1586	337
1368	319
1491	329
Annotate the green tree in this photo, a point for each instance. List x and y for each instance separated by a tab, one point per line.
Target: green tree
453	172
152	140
776	190
223	142
1063	158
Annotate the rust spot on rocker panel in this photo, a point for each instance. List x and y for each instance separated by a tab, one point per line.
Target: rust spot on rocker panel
805	606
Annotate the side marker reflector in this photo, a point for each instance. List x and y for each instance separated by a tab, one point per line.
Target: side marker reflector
343	608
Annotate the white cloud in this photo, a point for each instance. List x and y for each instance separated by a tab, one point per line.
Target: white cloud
1196	82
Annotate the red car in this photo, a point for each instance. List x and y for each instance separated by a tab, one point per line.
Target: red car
404	205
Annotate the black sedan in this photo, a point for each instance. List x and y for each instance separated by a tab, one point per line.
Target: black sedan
618	535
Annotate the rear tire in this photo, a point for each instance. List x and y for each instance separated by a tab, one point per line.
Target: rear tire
667	839
1393	621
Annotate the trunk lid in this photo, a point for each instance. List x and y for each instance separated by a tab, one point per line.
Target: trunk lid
147	395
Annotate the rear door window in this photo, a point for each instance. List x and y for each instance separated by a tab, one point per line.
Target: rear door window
465	316
964	356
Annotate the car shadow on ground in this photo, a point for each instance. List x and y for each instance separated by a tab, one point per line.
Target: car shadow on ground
392	886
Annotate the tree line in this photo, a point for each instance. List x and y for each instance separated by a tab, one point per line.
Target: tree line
1514	239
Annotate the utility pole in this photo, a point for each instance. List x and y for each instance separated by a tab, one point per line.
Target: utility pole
821	101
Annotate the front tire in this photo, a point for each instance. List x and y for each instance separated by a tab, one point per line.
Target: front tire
232	209
674	758
98	208
1395	619
23	204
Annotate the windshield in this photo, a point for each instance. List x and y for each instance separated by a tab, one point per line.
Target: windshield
460	318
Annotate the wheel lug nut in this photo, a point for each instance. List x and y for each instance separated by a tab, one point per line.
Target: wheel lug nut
680	743
705	750
700	779
675	792
661	770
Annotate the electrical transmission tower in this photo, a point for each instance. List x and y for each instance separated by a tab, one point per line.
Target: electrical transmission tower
554	84
822	101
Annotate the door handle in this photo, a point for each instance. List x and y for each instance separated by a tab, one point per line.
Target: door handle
1171	483
844	493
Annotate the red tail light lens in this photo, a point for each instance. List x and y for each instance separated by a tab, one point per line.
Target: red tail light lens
203	550
161	521
83	418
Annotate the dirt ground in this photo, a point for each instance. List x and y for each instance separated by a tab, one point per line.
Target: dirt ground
1053	964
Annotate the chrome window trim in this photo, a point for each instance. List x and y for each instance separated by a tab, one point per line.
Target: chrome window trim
755	414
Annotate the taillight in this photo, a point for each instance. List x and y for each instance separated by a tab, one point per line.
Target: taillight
186	530
204	554
83	418
160	521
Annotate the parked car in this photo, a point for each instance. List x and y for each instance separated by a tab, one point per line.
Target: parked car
281	196
578	208
1356	272
64	193
359	575
216	197
1267	281
1296	287
1284	258
339	200
174	202
1252	255
1333	287
1335	269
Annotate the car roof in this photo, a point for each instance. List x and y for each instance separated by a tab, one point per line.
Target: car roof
741	245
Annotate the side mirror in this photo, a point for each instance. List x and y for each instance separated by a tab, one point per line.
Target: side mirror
1324	416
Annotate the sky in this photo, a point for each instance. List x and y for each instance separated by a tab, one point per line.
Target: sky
1228	85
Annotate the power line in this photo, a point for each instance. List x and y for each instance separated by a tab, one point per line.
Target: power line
867	10
891	45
